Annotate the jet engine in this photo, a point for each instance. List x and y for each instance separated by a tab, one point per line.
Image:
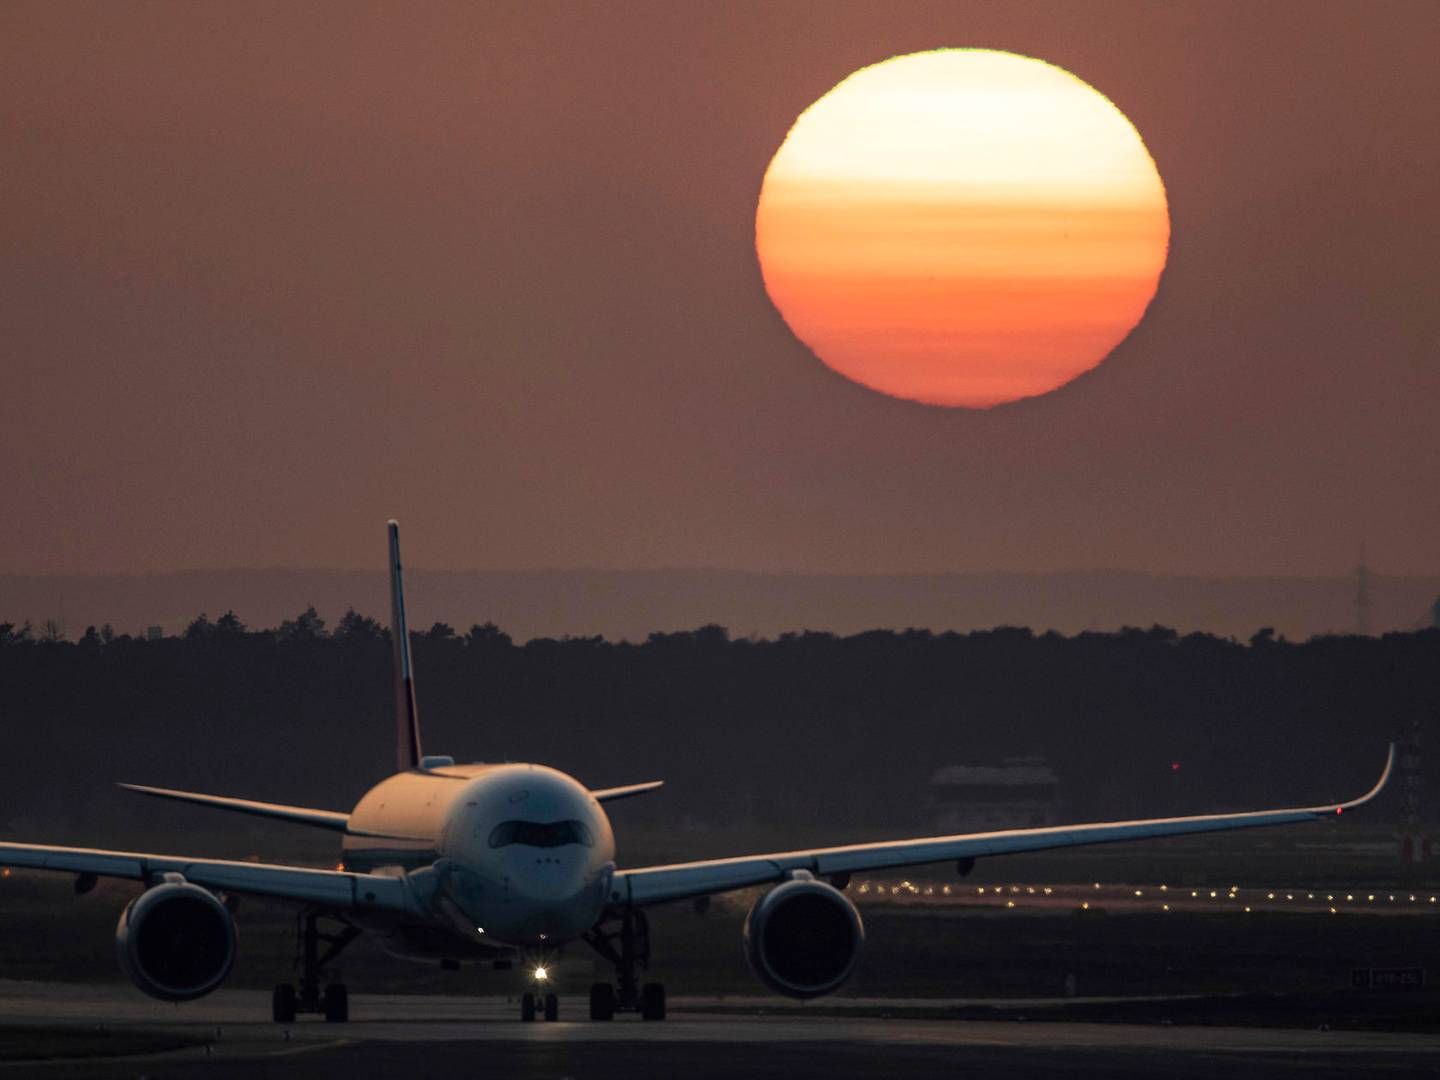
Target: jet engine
176	941
803	938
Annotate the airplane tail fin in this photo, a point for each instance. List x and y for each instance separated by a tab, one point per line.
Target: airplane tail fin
407	719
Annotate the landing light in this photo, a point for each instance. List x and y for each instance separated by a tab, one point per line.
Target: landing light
541	974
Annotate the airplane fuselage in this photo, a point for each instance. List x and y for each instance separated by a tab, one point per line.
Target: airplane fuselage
522	855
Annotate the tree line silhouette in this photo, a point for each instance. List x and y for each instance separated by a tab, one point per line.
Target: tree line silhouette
807	729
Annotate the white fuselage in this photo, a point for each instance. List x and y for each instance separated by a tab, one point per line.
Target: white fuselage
521	855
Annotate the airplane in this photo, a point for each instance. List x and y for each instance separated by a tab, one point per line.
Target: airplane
492	863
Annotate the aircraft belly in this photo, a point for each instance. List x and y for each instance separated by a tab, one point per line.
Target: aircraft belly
425	941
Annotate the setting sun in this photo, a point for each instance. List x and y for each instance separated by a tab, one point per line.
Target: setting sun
962	227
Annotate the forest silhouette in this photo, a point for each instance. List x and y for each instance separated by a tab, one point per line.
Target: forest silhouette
807	730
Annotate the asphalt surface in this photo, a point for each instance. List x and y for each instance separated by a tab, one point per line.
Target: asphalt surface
414	1036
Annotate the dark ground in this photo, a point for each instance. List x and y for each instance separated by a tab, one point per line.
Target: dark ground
835	1058
448	1037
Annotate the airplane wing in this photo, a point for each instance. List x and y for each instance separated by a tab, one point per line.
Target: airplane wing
337	890
658	884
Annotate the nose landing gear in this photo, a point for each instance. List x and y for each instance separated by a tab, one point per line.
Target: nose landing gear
628	948
543	1004
540	999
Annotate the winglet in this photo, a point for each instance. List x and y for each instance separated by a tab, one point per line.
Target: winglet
1379	785
407	719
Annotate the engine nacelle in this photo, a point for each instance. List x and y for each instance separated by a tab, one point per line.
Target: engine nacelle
176	941
803	938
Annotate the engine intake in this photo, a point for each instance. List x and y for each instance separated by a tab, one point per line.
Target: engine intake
176	941
803	938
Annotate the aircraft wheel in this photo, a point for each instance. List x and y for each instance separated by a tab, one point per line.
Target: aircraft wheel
652	1002
602	1001
527	1007
282	1004
552	1007
337	1003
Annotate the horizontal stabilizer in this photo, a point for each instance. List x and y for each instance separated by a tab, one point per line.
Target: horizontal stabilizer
300	815
610	794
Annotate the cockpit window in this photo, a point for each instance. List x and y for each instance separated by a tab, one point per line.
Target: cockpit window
541	834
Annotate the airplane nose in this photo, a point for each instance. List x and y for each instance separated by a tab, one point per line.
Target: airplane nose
552	880
557	896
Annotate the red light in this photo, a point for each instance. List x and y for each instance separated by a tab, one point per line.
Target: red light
1339	809
1174	766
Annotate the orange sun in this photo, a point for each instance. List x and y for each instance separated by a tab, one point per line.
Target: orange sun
962	227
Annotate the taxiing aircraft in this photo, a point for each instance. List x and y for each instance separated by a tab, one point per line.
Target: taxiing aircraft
490	863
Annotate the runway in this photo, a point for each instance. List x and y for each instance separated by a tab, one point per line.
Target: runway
424	1036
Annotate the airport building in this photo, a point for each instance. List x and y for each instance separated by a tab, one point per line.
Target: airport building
1019	793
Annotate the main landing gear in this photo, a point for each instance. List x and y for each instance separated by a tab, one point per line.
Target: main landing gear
628	948
334	1002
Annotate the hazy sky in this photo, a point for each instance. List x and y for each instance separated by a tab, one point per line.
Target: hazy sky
272	273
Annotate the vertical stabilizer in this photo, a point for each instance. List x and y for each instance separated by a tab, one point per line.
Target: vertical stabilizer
407	719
